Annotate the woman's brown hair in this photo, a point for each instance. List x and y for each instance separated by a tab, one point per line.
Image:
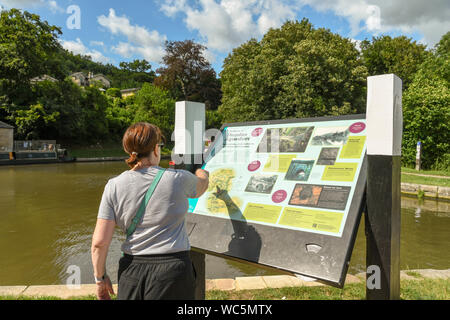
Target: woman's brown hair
140	140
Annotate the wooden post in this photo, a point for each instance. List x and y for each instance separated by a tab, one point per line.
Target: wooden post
384	137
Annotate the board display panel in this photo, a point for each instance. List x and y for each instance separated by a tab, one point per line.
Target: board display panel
285	194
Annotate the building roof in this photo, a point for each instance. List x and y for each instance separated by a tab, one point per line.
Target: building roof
99	76
43	78
76	74
5	126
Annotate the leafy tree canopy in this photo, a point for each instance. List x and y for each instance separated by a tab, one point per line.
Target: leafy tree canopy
401	56
188	75
155	105
294	71
426	111
26	44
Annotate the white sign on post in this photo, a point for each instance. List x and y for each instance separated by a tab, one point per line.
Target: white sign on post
384	115
189	127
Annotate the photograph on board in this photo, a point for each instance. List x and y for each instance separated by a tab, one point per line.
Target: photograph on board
320	196
334	136
305	195
327	156
279	140
299	170
261	183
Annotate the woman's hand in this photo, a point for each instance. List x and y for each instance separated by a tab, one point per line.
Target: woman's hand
105	289
101	240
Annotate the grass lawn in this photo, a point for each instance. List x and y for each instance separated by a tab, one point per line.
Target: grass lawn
408	178
426	289
430	172
433	181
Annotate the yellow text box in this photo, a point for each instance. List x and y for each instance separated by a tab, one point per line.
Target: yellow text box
279	163
312	219
353	148
340	172
262	212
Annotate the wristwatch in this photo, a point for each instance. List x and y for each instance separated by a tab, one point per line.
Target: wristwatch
102	279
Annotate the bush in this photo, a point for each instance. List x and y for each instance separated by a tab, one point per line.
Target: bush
427	113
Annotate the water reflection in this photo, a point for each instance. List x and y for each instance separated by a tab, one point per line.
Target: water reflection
48	214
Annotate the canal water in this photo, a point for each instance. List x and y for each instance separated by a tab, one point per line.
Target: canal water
48	214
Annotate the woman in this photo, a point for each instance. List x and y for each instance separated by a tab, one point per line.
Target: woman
156	262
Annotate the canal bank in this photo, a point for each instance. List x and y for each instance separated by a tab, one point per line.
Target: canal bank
103	159
426	191
229	285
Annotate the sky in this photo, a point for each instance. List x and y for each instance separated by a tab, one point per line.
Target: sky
116	30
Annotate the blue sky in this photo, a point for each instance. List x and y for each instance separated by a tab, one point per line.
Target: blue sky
114	31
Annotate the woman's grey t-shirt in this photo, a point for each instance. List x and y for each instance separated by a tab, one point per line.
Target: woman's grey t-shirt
162	229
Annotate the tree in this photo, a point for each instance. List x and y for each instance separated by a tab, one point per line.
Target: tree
187	75
134	74
66	98
31	123
426	111
294	71
136	66
120	114
440	65
401	56
114	92
26	44
155	105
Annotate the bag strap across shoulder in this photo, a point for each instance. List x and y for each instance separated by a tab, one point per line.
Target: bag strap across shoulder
148	195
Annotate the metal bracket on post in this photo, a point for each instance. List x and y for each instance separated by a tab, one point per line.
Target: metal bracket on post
189	135
384	140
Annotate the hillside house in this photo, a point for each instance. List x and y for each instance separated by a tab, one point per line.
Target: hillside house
44	77
86	80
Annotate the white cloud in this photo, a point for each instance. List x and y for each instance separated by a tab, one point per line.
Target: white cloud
20	4
24	4
54	7
171	7
97	43
209	56
141	41
431	19
224	24
227	23
77	47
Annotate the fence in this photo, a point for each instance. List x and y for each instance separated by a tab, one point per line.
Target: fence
36	146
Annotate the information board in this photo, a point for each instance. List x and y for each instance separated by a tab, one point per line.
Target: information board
282	191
